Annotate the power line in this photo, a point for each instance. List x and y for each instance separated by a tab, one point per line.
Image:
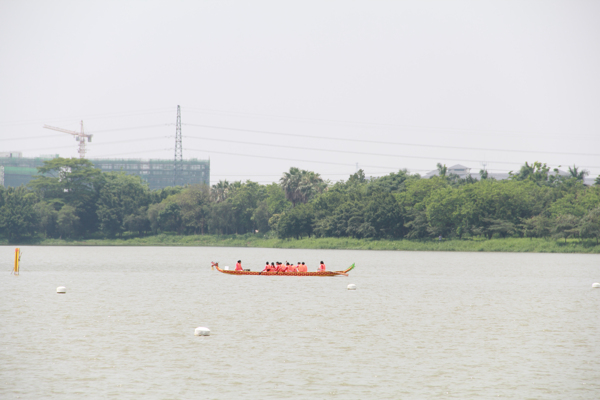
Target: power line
132	140
366	172
31	137
350	152
320	173
130	128
48	148
384	142
285	159
89	116
99	144
135	152
253	156
369	124
362	165
310	161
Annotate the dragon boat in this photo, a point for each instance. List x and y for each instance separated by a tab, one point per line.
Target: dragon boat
317	273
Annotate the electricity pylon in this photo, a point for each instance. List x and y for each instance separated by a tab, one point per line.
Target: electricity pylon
178	162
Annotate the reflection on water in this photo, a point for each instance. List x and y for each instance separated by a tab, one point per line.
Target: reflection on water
420	325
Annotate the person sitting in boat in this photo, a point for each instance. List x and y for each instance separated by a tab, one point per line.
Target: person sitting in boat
292	268
238	266
267	267
302	268
322	267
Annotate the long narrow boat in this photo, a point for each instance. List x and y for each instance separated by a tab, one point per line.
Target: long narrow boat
318	273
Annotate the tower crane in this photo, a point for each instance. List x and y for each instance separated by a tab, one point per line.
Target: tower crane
79	136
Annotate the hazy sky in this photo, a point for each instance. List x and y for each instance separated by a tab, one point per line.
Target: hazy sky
410	83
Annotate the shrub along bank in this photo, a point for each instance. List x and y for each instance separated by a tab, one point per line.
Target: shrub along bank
527	245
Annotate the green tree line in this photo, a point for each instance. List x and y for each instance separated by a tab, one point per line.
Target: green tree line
71	199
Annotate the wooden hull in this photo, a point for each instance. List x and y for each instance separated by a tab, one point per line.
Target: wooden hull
324	273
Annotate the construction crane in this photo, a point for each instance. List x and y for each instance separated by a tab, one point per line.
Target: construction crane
79	136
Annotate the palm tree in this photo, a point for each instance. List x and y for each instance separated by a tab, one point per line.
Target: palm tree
442	169
219	191
536	172
310	184
577	174
300	185
290	183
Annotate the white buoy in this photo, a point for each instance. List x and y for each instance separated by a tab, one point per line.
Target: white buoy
226	268
596	285
200	331
352	286
61	290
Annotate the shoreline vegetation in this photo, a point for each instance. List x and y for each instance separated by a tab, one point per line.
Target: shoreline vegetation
516	245
535	210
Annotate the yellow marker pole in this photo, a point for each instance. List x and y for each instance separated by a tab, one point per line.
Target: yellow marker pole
17	258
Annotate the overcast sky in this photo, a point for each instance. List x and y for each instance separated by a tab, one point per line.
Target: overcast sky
408	84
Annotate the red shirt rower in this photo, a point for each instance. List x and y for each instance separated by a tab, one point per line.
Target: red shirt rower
238	266
322	267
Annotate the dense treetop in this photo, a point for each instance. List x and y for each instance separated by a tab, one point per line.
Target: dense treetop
72	199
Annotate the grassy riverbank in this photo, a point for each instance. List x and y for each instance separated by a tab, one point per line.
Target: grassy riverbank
502	245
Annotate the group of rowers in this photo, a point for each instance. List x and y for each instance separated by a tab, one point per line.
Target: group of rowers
281	268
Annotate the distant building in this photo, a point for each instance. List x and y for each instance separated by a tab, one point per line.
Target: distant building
10	154
17	170
463	172
158	173
457	169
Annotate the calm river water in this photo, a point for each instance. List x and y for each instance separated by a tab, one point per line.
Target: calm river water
420	325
